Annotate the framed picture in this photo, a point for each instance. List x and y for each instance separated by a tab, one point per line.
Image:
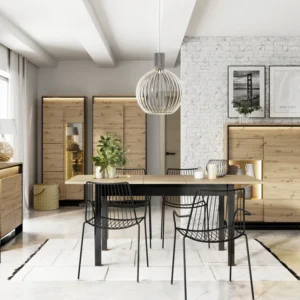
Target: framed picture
246	89
284	91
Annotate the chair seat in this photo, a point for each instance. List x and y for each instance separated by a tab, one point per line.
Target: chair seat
211	236
115	223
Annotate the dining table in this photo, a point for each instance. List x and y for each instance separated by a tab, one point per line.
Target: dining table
169	185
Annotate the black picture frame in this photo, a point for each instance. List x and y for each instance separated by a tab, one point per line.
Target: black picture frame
230	110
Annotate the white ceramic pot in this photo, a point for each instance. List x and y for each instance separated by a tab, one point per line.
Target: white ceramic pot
111	172
99	174
250	170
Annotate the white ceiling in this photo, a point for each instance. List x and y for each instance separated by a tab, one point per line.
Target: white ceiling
103	30
245	17
108	31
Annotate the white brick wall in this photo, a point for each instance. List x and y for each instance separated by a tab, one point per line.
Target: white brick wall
204	62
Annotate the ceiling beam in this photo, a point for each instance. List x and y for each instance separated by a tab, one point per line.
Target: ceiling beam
95	42
18	41
175	18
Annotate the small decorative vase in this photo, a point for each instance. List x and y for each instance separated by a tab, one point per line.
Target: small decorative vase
248	191
111	172
222	166
243	118
99	174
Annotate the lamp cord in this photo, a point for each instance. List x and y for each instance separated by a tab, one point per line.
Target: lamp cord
158	26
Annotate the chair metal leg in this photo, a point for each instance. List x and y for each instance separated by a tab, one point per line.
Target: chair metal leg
184	269
162	205
173	260
249	265
146	243
150	225
81	246
138	255
163	224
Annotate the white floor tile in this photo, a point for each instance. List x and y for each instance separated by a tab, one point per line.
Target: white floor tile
163	258
259	273
65	274
110	258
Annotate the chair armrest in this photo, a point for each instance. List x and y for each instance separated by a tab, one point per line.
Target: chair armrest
179	216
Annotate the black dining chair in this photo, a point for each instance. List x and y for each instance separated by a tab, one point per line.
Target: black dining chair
122	212
175	201
204	224
139	200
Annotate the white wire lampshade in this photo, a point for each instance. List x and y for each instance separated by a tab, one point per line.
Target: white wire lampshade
158	92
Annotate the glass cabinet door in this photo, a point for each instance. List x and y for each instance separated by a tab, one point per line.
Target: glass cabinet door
74	152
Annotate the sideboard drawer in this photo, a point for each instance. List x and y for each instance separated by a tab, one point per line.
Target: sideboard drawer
10	203
282	211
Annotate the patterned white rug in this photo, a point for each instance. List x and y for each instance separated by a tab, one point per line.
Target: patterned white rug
57	260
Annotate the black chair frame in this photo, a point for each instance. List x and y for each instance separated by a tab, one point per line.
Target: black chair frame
122	213
142	199
210	234
166	200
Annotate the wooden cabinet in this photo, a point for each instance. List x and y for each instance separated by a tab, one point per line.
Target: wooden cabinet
278	148
246	148
11	197
61	159
124	117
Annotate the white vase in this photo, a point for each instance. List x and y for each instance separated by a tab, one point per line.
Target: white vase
244	118
111	172
99	174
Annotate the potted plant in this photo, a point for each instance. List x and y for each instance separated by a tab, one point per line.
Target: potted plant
110	155
244	108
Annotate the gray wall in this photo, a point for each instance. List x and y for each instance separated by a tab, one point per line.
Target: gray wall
204	62
86	79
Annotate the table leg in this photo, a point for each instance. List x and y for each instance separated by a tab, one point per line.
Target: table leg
230	214
221	223
104	213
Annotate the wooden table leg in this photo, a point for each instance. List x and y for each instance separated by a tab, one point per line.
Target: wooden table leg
221	223
230	215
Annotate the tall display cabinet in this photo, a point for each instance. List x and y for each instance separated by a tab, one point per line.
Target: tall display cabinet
63	151
123	116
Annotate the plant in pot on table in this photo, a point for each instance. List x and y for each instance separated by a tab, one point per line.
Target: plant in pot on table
245	109
110	155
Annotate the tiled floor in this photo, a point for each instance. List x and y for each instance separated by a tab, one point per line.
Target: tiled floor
63	228
58	262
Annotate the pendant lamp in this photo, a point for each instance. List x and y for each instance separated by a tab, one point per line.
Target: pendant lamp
158	92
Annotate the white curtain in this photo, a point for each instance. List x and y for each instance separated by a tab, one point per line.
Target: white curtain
18	110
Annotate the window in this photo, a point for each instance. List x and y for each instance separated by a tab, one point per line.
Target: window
3	97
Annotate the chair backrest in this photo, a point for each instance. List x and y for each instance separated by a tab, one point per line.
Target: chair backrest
182	201
204	215
173	171
115	196
131	171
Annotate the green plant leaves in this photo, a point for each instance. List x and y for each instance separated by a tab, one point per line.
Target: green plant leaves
110	153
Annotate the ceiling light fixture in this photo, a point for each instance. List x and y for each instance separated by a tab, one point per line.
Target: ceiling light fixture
158	92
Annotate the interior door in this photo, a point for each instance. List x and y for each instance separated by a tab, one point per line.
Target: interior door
172	140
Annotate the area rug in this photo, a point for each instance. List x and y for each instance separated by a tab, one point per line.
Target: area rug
283	263
57	260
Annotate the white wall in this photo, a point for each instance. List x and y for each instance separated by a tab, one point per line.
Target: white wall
86	79
204	63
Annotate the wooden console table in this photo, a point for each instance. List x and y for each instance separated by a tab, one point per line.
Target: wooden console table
11	199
